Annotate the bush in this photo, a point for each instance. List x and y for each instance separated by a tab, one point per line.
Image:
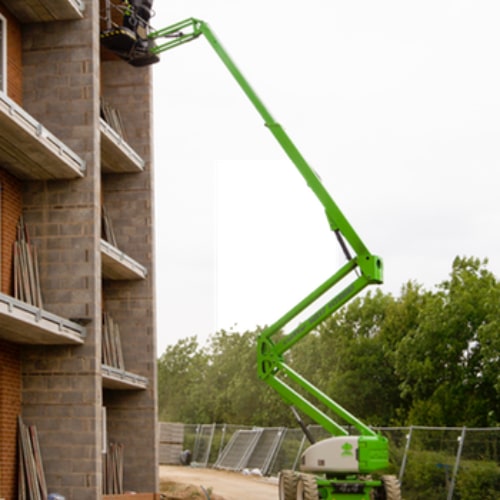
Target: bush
478	481
427	475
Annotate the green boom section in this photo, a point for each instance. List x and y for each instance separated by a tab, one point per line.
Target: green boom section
360	270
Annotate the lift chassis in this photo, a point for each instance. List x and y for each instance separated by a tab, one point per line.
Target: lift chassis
346	465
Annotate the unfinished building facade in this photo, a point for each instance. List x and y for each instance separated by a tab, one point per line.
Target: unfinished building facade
77	310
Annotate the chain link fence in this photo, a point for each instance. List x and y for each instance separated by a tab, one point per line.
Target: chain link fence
432	463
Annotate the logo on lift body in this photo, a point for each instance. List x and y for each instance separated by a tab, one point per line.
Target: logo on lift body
347	450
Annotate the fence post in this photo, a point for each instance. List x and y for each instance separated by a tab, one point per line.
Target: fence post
196	440
221	445
461	440
299	452
405	456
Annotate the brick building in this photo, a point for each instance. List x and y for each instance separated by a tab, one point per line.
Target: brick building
61	161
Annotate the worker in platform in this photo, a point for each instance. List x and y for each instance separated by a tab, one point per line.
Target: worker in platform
136	18
137	14
131	41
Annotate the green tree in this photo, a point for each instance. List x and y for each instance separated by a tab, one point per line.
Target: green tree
356	361
239	396
401	320
217	383
446	361
181	373
423	358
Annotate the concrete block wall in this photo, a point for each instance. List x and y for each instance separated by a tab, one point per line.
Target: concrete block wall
62	392
55	73
129	201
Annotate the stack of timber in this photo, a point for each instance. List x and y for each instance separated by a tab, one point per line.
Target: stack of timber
171	443
113	118
31	477
113	473
108	233
26	271
112	354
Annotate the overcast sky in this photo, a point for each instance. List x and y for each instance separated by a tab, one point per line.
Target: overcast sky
395	104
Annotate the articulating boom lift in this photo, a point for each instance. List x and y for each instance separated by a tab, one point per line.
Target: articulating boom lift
339	467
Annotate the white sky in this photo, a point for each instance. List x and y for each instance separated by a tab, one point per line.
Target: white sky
395	104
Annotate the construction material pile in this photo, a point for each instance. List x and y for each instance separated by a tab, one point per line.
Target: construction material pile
113	473
108	232
31	478
26	271
112	354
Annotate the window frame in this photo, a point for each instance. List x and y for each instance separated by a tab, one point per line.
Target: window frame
3	54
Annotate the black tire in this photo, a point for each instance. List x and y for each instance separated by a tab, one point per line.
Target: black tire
307	488
287	485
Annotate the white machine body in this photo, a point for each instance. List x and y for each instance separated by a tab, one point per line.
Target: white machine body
339	454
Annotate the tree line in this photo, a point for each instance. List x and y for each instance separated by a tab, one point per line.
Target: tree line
425	357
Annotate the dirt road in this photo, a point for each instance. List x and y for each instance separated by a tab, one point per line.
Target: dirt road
229	485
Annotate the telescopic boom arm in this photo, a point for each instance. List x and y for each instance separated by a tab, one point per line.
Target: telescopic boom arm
363	267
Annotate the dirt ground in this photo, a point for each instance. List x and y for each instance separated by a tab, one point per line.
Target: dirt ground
180	482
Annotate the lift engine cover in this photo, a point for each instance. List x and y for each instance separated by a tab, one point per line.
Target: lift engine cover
338	454
355	454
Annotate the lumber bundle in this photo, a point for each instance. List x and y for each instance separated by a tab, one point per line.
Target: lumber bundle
172	442
31	477
113	118
26	270
108	233
113	473
112	354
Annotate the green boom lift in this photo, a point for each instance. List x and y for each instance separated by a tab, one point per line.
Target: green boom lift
344	466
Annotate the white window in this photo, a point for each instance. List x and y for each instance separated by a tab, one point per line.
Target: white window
3	54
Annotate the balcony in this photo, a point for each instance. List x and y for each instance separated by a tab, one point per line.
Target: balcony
117	157
113	378
29	151
23	323
117	265
39	11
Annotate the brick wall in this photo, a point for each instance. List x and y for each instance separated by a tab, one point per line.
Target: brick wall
10	408
10	188
10	211
10	364
14	57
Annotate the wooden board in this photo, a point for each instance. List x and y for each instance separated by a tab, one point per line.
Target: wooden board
133	496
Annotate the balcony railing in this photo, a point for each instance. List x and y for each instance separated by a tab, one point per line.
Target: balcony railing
113	378
23	323
116	155
117	265
29	151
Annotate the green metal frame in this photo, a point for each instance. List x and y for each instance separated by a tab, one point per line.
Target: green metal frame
363	268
